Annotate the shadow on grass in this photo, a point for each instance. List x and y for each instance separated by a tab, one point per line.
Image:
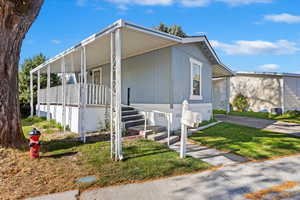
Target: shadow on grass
147	153
60	155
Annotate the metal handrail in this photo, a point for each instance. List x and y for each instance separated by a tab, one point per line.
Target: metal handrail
168	116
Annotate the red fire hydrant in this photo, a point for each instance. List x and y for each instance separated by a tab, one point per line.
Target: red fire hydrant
34	143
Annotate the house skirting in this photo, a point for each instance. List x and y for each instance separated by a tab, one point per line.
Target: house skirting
93	118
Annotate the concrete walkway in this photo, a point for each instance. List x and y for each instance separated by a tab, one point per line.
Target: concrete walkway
231	182
270	125
209	155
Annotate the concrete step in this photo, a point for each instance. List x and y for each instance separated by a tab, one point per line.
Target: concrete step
132	117
129	112
150	129
133	123
157	136
127	108
173	139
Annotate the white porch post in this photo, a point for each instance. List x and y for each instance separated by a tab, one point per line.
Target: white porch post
38	94
31	95
112	67
116	63
48	90
63	78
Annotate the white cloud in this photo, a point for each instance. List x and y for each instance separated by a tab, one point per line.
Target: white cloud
269	67
122	7
284	18
186	3
56	41
257	47
244	2
143	2
194	3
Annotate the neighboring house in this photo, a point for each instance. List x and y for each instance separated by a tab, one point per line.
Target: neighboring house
267	90
152	71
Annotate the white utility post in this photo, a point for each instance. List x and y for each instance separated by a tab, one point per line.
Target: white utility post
63	94
48	90
116	90
31	94
82	93
185	107
38	93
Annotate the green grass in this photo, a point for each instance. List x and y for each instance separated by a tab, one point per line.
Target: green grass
144	159
40	123
250	142
263	115
215	112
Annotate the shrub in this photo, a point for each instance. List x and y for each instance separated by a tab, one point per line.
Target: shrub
292	113
240	102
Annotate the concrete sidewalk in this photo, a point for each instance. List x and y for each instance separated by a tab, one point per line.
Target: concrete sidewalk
209	155
231	182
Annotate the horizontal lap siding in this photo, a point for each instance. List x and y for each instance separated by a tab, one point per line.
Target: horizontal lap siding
181	55
146	75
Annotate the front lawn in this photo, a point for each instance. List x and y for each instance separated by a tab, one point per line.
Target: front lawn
250	142
64	159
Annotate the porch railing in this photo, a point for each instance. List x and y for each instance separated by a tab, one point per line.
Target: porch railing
95	94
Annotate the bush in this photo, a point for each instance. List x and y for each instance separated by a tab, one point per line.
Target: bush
292	113
240	102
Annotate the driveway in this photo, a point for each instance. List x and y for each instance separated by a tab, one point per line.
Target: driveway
231	182
270	125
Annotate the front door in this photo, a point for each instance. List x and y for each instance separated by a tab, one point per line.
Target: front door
97	76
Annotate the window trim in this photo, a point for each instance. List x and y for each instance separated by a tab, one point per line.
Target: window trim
100	75
192	96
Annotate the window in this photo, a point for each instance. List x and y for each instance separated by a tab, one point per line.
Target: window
196	79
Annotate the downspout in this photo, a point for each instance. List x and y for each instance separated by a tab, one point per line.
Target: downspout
171	81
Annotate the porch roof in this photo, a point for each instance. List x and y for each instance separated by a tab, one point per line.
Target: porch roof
136	40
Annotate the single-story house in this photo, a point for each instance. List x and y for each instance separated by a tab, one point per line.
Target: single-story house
267	90
133	74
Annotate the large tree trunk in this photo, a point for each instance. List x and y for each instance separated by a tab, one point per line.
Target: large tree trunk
16	17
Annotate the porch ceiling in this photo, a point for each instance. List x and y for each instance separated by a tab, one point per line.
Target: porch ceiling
134	42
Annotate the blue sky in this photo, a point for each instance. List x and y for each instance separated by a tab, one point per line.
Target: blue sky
248	35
